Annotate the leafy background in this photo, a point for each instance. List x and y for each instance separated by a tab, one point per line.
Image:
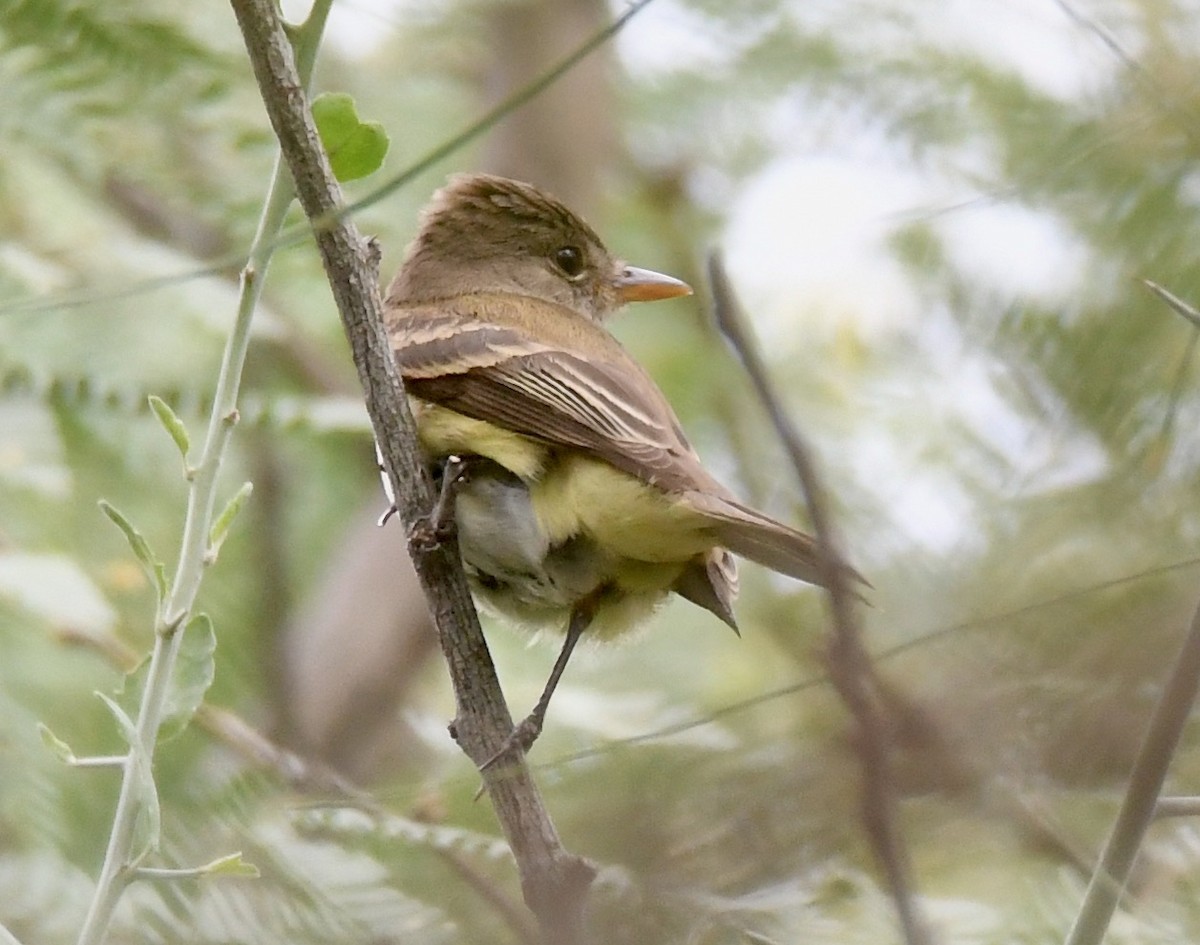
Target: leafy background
936	215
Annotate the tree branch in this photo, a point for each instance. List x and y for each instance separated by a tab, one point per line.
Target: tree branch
1142	796
554	882
850	666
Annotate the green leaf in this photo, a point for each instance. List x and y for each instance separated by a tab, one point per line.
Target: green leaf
62	751
124	721
193	675
356	148
139	545
220	528
66	755
191	678
148	826
172	424
231	865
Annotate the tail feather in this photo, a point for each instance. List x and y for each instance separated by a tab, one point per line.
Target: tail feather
762	539
712	583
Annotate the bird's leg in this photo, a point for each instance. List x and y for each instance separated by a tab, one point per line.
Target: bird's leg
431	530
529	728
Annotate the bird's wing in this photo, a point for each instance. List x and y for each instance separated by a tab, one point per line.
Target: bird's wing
533	383
605	404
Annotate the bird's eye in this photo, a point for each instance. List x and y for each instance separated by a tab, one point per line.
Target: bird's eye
570	260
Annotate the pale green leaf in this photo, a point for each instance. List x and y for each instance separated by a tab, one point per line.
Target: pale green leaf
231	865
191	677
193	674
220	528
356	148
140	547
172	424
62	751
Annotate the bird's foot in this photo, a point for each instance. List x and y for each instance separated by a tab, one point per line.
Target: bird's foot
431	531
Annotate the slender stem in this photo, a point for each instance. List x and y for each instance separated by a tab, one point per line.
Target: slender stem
161	874
115	873
117	870
850	667
100	761
1177	807
554	881
1141	797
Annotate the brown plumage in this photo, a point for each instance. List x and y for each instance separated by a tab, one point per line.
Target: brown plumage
591	503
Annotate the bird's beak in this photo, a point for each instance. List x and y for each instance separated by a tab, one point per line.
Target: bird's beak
645	285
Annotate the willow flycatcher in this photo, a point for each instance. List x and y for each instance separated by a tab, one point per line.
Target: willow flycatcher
578	501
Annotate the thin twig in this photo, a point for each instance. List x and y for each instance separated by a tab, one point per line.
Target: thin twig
488	120
898	649
554	882
1141	803
1177	806
118	868
1188	313
303	774
849	665
1141	797
1181	308
1163	96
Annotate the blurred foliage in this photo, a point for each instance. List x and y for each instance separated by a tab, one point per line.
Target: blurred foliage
1012	461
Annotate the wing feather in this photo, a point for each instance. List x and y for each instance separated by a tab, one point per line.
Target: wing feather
487	363
501	372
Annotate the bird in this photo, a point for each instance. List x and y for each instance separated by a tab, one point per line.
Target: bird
578	503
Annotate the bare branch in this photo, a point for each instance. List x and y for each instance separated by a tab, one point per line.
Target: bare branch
849	665
1141	801
554	881
1177	806
304	774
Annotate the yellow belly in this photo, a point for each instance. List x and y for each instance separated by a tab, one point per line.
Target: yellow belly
624	515
639	538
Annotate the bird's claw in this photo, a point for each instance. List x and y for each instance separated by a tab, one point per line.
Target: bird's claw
431	531
427	535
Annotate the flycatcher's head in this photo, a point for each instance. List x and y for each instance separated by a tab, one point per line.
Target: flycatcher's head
489	234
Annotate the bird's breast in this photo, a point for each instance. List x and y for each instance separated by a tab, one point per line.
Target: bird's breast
541	529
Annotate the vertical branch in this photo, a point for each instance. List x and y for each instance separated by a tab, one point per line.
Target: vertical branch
117	870
1141	797
1150	768
849	665
554	881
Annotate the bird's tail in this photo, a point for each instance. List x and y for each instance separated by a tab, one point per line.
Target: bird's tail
762	539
